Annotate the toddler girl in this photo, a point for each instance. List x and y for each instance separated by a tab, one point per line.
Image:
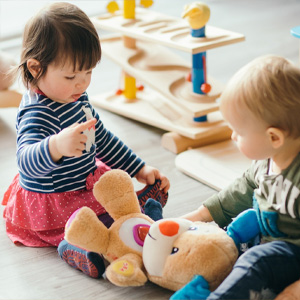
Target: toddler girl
62	145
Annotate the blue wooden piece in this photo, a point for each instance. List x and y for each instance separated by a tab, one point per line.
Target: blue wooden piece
198	69
198	72
295	31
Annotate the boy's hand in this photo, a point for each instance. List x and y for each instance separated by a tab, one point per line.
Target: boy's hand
201	214
70	141
148	175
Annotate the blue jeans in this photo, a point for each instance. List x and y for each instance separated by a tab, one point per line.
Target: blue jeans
273	265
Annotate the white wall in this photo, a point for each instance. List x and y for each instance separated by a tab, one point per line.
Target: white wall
14	14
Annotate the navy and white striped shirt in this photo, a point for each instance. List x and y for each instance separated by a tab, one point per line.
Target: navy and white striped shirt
38	119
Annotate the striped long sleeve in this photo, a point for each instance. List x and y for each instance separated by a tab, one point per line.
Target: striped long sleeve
38	119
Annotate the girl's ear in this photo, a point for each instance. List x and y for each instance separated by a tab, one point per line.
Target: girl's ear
276	136
34	67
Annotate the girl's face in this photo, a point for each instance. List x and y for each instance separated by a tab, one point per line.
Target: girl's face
63	84
249	132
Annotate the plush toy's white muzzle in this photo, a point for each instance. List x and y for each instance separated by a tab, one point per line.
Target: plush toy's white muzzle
158	243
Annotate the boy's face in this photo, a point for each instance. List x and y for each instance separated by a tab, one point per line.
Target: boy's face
62	84
249	132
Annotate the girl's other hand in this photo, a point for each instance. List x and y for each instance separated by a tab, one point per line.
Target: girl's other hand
148	175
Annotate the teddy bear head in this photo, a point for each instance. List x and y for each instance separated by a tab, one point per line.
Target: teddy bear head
177	249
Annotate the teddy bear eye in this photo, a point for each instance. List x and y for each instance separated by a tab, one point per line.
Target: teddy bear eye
193	228
174	250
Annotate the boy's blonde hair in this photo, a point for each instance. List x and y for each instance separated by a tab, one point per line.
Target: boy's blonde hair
270	87
59	33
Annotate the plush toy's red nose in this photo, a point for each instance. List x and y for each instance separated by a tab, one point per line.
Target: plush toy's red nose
168	227
142	231
139	233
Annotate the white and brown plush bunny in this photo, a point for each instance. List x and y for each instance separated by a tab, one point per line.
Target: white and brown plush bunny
168	252
122	243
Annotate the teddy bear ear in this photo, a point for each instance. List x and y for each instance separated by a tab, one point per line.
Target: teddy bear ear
115	192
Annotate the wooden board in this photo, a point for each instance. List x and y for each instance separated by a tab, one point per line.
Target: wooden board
166	30
153	109
165	72
215	165
10	98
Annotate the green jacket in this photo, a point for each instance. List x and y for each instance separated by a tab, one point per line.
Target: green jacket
277	196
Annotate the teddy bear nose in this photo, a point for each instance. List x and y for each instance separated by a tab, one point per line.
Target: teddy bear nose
139	232
169	228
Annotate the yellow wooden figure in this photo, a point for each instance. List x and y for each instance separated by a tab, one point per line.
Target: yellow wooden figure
129	9
197	14
112	7
146	3
129	87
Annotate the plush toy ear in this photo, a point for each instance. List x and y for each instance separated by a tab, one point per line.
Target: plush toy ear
115	192
84	230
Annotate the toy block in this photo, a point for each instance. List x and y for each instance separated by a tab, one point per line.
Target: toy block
215	165
177	143
10	98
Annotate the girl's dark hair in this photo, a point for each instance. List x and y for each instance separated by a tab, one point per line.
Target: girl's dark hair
59	33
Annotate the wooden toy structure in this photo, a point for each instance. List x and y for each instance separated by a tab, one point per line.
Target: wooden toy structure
8	96
146	45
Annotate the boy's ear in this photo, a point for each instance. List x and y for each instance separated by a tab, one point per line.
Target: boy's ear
276	136
34	67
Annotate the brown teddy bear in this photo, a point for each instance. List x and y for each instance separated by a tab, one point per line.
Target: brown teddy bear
168	252
122	243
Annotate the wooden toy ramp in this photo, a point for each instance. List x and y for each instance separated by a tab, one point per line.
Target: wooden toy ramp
165	30
168	101
216	165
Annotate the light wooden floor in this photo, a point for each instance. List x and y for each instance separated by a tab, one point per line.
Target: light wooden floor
29	273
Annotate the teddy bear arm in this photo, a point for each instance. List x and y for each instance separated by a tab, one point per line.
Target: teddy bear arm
244	227
197	288
127	271
86	231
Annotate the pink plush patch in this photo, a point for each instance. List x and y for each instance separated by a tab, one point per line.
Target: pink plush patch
72	217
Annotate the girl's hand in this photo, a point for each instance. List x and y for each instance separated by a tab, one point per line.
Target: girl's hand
148	175
70	141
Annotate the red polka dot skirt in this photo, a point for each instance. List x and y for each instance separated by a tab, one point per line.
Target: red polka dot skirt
38	219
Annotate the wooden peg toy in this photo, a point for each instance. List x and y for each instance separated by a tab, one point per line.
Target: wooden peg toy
198	14
129	9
